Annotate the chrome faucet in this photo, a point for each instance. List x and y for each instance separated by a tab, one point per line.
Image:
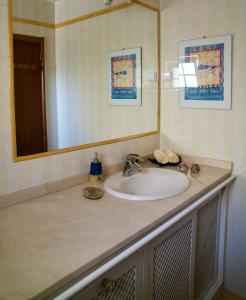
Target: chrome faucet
132	165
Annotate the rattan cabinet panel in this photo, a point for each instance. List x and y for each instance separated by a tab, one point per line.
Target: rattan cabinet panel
206	266
171	264
124	282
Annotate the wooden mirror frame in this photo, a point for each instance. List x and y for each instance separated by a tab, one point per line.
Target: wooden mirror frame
81	18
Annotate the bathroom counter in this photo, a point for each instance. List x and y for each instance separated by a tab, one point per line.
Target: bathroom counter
47	242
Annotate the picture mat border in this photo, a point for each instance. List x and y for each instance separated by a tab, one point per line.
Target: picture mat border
125	102
211	104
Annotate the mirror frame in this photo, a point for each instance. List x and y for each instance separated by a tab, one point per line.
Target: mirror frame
71	21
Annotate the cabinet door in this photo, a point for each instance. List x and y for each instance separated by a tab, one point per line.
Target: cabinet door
124	282
170	261
207	250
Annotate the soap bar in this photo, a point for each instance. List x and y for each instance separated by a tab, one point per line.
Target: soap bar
161	156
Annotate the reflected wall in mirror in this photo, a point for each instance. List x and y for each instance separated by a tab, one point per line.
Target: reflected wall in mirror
60	58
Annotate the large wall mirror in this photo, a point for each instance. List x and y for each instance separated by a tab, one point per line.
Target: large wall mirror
83	74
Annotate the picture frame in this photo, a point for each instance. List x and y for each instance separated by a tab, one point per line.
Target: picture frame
125	77
205	73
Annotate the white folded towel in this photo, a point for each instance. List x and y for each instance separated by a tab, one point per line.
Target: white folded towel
172	156
161	156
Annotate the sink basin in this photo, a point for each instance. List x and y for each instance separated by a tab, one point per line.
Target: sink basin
151	184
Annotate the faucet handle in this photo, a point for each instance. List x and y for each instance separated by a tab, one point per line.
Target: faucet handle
132	164
135	158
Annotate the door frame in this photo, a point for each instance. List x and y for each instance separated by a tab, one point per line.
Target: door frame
38	40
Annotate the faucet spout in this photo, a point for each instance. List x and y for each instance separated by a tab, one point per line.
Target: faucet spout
132	165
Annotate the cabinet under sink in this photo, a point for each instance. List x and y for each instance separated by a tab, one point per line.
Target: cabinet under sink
182	263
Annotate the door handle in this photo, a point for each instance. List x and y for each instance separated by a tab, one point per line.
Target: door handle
108	284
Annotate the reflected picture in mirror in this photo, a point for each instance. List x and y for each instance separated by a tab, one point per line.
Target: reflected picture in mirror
124	77
61	74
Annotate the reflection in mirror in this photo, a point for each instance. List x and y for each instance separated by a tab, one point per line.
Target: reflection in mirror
79	78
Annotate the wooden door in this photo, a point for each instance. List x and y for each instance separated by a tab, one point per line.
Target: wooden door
30	120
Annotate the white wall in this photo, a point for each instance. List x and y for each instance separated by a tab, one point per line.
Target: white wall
219	134
82	76
18	176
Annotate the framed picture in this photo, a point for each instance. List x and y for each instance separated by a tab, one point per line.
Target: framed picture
124	77
205	73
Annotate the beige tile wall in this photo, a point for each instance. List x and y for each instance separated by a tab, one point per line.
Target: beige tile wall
18	176
66	11
38	10
82	7
219	134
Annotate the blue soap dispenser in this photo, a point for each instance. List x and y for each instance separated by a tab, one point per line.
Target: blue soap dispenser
96	171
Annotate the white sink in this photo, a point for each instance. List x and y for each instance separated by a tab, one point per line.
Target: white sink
151	184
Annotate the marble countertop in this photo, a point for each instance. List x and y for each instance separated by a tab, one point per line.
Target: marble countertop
47	242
